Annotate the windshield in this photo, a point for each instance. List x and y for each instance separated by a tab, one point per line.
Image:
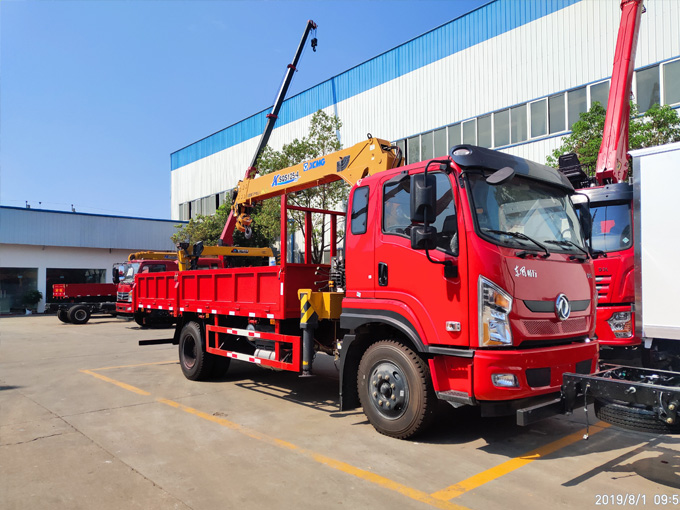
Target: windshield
526	214
611	227
130	270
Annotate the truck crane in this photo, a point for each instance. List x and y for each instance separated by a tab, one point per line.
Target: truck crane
501	308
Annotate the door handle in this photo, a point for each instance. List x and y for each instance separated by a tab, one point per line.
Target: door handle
382	274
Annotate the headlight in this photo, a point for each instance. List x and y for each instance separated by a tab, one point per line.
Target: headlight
494	307
621	324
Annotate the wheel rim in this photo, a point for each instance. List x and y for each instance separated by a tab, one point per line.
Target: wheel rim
80	315
388	390
189	352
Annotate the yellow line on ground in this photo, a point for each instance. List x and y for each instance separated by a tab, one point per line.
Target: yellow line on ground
511	465
137	365
381	481
117	383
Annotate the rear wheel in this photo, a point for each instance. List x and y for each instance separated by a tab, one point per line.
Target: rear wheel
78	314
62	315
196	363
395	390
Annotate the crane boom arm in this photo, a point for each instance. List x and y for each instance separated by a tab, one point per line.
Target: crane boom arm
351	164
612	159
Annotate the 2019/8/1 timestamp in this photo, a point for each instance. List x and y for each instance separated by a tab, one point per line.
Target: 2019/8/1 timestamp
661	500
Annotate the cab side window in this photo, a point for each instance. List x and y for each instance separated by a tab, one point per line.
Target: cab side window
359	213
397	212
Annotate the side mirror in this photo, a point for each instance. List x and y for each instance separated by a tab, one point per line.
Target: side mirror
423	197
423	237
116	276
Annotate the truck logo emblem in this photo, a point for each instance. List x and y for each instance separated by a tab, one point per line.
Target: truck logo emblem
562	307
313	164
526	273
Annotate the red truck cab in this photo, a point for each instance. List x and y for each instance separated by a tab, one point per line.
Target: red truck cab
511	312
126	283
612	234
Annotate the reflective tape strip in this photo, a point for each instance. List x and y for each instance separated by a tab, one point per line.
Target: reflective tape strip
244	357
243	332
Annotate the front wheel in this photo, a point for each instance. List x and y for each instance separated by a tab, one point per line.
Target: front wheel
395	390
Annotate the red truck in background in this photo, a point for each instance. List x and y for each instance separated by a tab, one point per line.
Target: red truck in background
78	301
465	279
611	199
124	276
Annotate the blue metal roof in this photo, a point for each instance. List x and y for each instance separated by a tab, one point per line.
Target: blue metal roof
486	22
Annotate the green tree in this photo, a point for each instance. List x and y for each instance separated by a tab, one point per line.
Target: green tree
659	125
321	140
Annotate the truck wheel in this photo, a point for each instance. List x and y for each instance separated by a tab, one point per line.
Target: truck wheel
78	314
62	315
196	364
630	417
139	319
395	390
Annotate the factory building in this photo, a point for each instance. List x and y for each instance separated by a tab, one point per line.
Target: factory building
510	75
39	248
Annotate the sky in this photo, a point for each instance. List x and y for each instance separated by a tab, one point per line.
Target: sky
96	94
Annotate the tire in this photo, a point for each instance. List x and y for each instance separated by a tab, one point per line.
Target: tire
139	319
78	314
196	363
630	417
395	390
62	315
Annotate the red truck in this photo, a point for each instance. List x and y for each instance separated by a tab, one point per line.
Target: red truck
611	199
76	302
465	279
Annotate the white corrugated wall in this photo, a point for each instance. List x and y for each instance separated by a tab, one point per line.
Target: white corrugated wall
571	47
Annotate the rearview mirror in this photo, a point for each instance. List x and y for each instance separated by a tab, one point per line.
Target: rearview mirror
423	197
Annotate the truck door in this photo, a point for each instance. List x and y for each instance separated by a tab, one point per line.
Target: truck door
363	215
406	281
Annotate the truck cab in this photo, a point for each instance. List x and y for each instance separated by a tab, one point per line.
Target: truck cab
126	280
500	305
612	234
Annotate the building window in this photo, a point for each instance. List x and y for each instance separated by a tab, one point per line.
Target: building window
671	82
599	93
484	131
413	150
470	132
539	118
501	128
440	146
15	283
454	135
426	146
556	114
647	88
518	123
577	104
402	145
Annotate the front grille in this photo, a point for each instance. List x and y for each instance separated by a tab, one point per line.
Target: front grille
551	328
123	296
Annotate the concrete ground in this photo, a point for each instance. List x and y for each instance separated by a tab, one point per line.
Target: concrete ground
89	419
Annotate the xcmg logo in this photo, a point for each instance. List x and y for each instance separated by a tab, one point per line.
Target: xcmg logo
280	180
313	164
